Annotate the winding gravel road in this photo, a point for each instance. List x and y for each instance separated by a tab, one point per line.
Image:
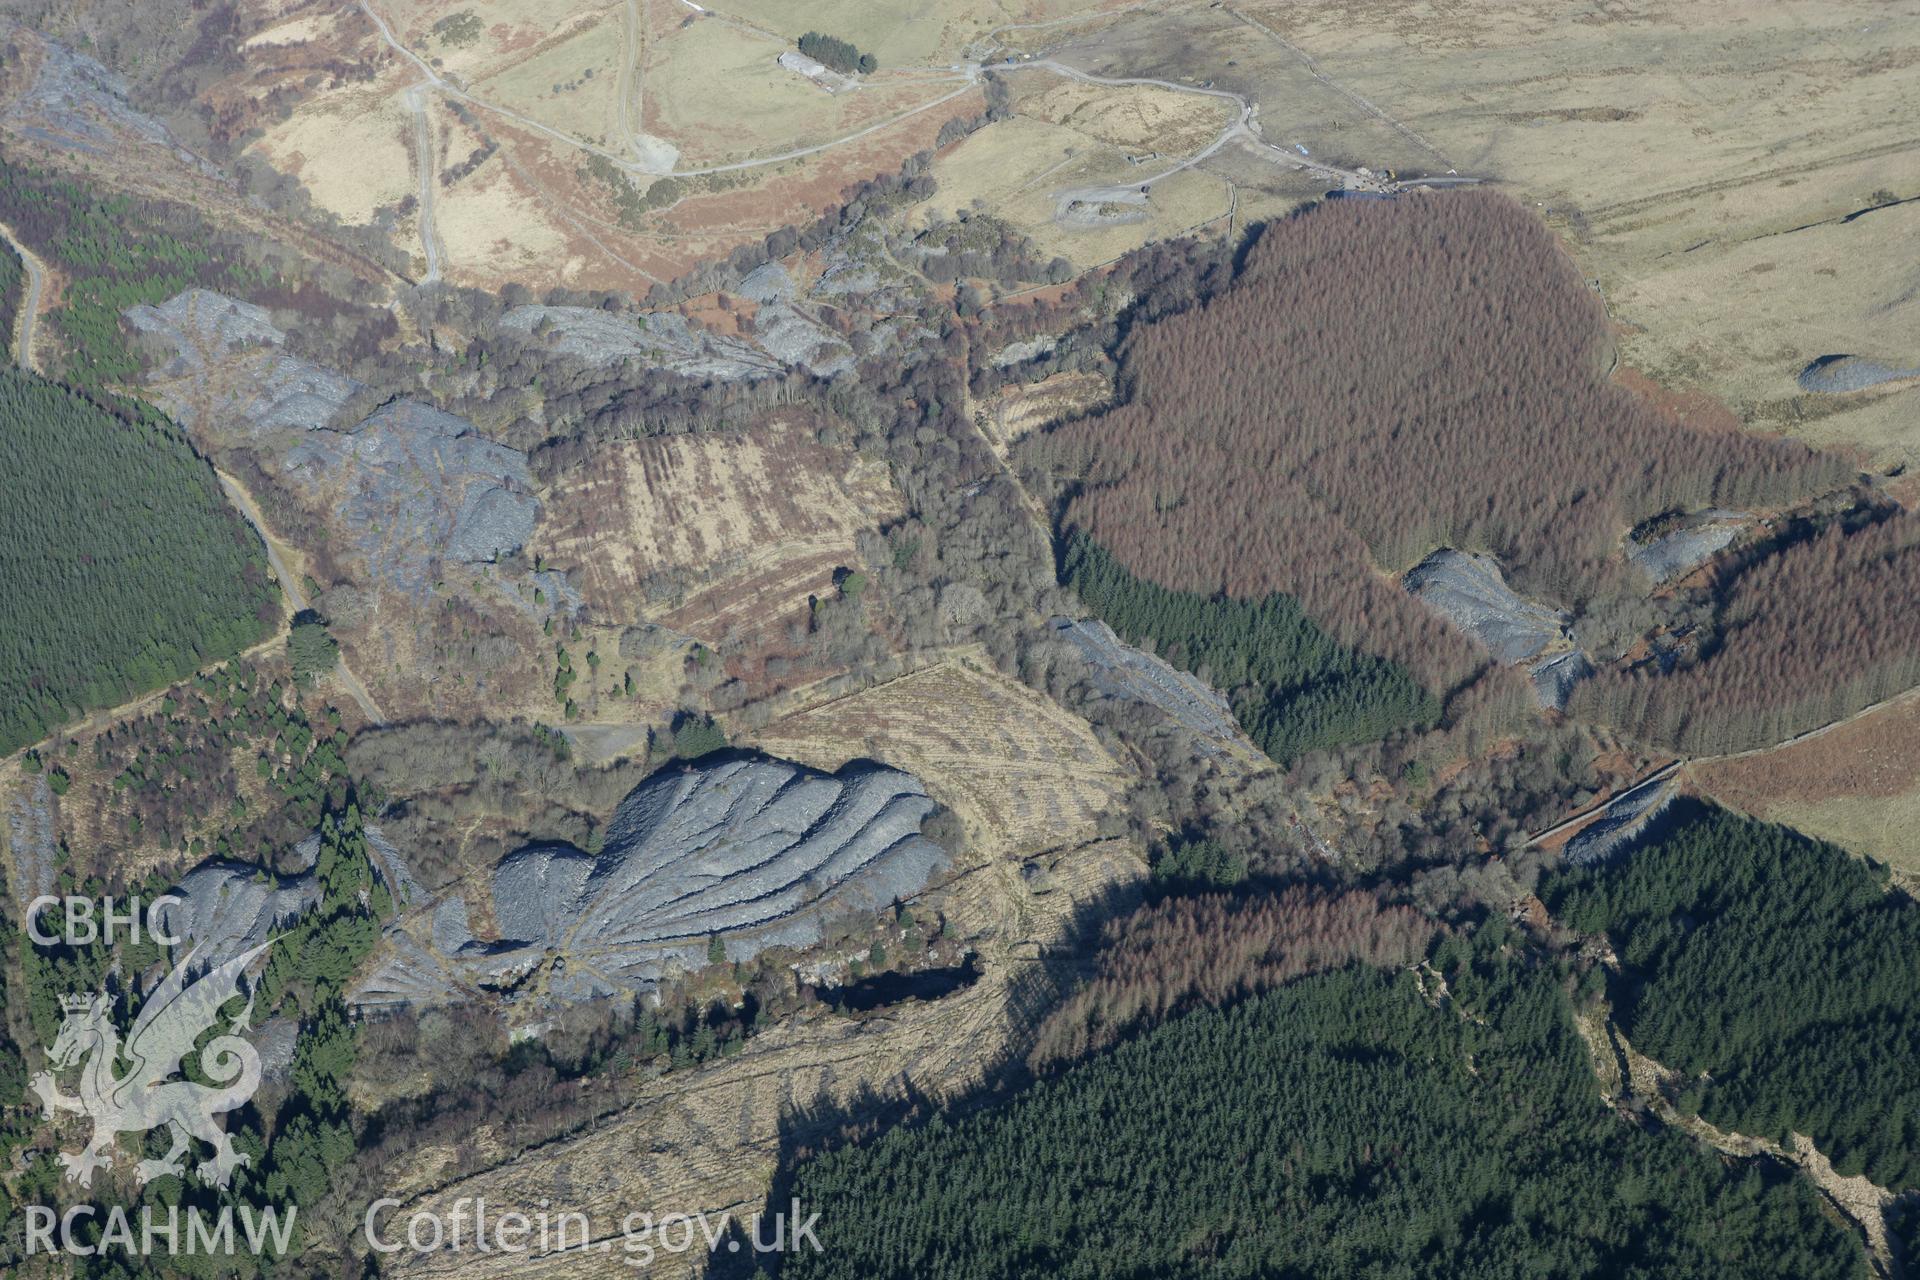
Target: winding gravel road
967	74
423	165
23	323
289	583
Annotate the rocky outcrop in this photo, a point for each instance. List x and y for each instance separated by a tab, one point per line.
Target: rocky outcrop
753	851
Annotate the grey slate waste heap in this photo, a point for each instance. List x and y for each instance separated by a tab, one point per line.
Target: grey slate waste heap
1122	671
224	907
662	339
783	335
414	487
278	392
227	908
76	105
415	478
1471	592
754	851
1677	552
1837	375
1620	824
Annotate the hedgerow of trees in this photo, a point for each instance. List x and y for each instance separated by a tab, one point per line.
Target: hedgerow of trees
1379	379
1777	973
1294	688
1803	638
841	56
1342	1125
121	565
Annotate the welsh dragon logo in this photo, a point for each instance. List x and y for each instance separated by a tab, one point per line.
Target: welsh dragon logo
146	1095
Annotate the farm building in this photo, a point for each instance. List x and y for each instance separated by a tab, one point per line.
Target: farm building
801	63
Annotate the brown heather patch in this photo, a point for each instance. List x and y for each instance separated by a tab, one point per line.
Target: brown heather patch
1876	755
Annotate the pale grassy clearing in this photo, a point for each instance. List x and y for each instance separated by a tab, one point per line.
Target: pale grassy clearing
1019	167
1696	156
718	93
493	228
899	33
1189	201
304	29
1882	827
1023	775
1857	785
350	149
1137	117
510	31
569	84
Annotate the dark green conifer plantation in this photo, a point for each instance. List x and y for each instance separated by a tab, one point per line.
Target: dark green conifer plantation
1294	688
1778	972
122	569
1350	1124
